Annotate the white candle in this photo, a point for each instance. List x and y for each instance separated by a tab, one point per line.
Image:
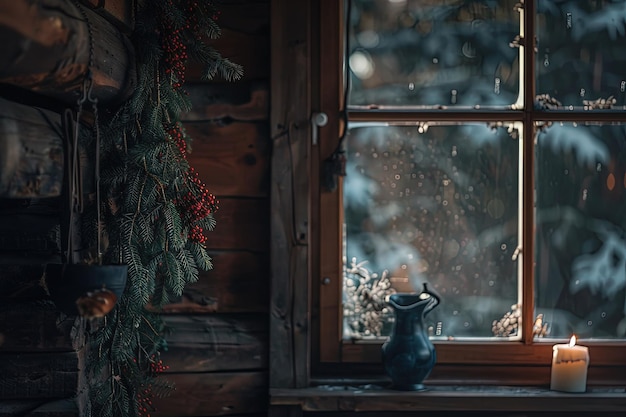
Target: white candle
569	367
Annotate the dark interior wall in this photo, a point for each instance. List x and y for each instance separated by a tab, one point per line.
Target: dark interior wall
218	341
218	348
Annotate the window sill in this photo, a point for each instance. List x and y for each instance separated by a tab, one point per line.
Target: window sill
449	398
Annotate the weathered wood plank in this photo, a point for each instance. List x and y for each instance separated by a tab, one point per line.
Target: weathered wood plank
290	92
329	267
45	49
463	413
38	375
233	159
120	13
285	411
238	283
34	327
215	394
460	414
31	151
39	408
241	225
251	51
210	343
29	234
459	399
247	16
240	101
21	282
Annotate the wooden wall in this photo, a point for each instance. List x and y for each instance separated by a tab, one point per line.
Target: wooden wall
218	345
218	348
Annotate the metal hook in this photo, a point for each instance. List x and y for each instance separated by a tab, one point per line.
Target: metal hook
87	90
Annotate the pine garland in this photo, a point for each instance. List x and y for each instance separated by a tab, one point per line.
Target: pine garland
156	209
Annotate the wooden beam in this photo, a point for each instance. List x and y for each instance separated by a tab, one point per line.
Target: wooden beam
285	411
327	258
224	102
238	283
290	187
458	399
38	375
234	159
40	408
45	48
33	327
119	12
214	394
248	50
21	283
216	342
241	225
31	150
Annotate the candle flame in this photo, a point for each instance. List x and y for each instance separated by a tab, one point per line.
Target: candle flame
572	341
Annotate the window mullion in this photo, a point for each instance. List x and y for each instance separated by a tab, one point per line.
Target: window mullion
528	213
408	116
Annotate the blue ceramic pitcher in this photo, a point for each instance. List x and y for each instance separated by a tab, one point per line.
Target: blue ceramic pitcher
408	354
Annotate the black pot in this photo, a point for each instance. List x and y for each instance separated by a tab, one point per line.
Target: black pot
69	283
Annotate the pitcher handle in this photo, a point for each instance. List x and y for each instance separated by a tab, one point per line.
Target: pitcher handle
435	299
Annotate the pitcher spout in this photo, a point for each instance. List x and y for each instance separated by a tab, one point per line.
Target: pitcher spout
424	301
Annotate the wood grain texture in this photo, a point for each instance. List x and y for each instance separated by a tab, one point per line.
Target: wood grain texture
241	225
290	112
120	13
215	394
38	375
484	353
451	398
33	327
463	413
210	343
31	151
238	283
29	235
247	16
285	411
244	39
232	159
39	408
328	253
21	283
224	102
45	49
250	50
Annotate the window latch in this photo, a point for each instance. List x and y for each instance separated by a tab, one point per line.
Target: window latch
317	120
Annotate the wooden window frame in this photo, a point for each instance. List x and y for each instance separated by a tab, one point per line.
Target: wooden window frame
519	363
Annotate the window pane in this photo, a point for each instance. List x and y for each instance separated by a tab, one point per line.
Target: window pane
432	203
581	61
580	229
432	53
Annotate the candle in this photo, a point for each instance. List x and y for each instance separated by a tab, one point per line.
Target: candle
569	367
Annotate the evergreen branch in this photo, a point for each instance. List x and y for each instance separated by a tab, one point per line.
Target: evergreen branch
174	279
188	265
162	388
150	225
200	256
215	63
173	227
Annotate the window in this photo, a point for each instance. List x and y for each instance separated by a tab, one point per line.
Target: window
492	169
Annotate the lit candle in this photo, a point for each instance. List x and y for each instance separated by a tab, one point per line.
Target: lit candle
569	367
